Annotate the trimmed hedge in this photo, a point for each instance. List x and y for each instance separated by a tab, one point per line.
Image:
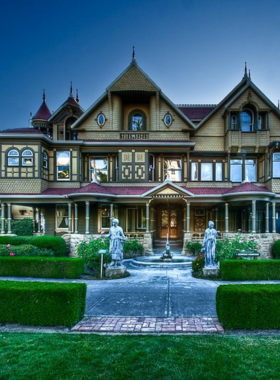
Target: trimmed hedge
56	243
276	249
42	303
250	270
46	267
25	250
249	306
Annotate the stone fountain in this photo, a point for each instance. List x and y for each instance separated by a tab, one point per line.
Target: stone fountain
167	255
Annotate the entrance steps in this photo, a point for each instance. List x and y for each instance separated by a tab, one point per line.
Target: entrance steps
174	243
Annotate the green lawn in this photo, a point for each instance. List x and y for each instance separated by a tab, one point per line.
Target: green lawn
76	356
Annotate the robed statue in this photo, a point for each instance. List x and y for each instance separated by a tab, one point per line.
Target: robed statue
209	245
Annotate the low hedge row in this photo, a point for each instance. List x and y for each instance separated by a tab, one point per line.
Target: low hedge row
46	267
25	250
249	306
56	243
247	270
42	303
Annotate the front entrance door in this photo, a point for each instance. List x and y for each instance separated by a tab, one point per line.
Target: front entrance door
169	223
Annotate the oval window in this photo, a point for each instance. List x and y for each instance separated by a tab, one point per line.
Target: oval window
167	120
101	119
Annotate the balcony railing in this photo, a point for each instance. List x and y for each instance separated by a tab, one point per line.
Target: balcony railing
134	135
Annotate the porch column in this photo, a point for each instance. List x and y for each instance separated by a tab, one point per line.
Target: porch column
147	217
226	217
9	218
188	216
3	218
273	218
76	217
253	216
111	213
39	220
87	218
216	218
69	218
34	219
267	217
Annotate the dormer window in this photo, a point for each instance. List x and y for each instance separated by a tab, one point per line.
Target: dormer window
137	121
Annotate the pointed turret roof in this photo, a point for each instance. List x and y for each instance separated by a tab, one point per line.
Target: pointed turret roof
43	112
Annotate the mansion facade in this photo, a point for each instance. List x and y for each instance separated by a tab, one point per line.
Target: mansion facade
162	169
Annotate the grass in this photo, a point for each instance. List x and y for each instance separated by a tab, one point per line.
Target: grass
76	356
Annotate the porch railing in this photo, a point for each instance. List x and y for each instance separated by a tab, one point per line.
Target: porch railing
134	135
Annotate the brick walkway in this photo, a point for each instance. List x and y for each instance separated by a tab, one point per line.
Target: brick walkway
148	325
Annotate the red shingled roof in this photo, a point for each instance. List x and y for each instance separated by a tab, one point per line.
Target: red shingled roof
196	112
43	112
247	187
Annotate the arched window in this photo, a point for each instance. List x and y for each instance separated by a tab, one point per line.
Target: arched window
247	118
27	158
137	121
13	157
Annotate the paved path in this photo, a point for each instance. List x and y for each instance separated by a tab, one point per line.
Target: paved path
151	301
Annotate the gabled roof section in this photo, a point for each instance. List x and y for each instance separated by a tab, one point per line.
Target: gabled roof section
196	112
245	84
63	110
167	188
248	188
133	79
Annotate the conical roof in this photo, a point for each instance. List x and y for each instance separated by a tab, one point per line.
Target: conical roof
43	112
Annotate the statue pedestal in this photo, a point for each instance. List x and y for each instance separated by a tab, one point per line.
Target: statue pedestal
116	272
214	271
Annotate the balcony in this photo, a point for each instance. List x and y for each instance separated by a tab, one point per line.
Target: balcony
134	135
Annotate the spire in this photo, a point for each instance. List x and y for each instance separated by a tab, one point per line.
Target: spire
249	74
278	104
133	54
245	71
77	96
30	120
71	90
44	96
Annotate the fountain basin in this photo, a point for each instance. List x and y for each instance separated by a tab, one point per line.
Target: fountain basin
156	261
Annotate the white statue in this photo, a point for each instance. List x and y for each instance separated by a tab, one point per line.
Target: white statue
117	239
209	245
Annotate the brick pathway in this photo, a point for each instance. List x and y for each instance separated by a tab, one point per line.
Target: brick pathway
148	325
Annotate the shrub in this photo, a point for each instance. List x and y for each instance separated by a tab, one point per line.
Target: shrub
23	227
198	264
226	248
194	248
47	267
42	303
249	306
24	250
132	247
245	270
89	250
276	249
56	243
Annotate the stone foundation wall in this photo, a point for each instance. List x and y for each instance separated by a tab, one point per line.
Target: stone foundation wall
265	241
74	240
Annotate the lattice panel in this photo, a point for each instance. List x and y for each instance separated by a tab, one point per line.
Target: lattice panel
127	171
139	171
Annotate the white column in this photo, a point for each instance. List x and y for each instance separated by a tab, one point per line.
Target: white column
9	218
69	218
253	216
226	217
87	218
3	218
267	217
273	218
76	217
147	217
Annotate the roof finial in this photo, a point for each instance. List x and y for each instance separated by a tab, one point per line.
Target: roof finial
30	120
133	53
71	89
77	96
278	104
245	71
44	96
249	74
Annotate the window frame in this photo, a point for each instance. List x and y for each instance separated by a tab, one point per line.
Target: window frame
92	170
134	113
65	217
166	168
27	157
61	165
11	156
45	160
274	165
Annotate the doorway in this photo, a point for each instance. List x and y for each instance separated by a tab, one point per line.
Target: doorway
169	222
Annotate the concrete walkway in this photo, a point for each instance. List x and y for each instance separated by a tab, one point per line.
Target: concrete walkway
151	300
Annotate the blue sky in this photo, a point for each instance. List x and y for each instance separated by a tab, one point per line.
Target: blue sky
194	50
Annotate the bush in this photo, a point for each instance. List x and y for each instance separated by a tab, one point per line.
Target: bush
194	248
24	250
247	270
197	265
56	243
276	249
23	227
42	303
47	267
89	250
132	247
249	306
226	248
